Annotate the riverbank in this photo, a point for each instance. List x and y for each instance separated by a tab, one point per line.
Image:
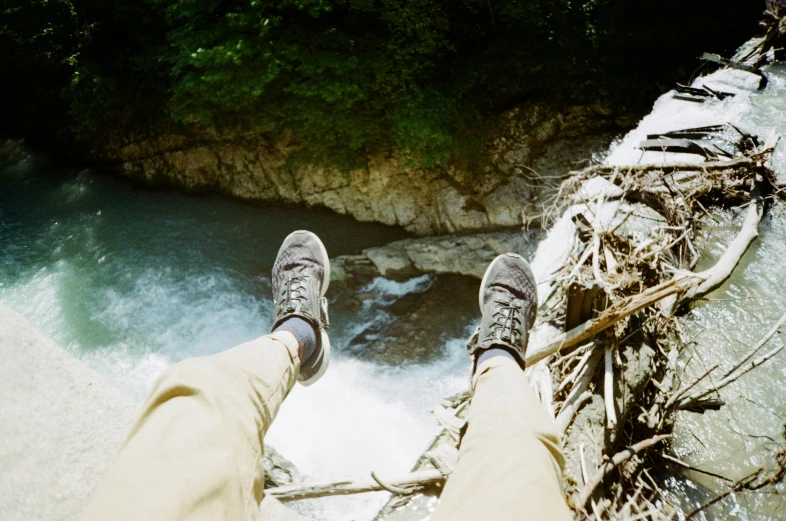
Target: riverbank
506	184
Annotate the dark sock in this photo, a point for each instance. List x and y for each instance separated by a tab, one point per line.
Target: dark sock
305	334
491	353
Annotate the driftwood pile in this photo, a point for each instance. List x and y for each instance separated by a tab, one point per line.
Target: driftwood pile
623	288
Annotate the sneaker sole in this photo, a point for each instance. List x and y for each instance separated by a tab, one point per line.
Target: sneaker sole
499	258
324	336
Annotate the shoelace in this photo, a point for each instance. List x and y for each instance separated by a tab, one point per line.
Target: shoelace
507	322
293	293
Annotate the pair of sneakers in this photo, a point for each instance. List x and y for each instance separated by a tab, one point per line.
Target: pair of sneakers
301	276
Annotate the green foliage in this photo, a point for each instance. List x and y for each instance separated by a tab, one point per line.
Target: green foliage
121	82
353	78
345	76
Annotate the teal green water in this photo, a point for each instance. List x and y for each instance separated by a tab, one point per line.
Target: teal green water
110	260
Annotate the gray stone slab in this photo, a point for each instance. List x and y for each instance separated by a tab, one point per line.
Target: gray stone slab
60	425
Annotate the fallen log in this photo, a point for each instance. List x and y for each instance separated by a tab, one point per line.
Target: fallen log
608	171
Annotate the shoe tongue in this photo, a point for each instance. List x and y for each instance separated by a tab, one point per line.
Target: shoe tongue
496	293
301	254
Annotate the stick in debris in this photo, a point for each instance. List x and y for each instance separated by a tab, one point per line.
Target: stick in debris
614	461
356	486
615	313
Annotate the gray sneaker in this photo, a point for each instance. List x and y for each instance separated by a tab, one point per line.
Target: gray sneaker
509	303
301	276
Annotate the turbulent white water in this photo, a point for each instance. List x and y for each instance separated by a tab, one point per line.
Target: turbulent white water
133	281
742	435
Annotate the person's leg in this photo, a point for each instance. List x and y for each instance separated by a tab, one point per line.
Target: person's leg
195	453
196	450
510	460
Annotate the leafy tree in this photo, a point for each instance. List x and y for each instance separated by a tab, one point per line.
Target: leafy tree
351	78
39	40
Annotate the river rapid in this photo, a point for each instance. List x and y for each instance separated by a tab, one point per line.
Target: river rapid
133	280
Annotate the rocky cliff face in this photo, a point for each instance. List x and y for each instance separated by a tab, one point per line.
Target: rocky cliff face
531	146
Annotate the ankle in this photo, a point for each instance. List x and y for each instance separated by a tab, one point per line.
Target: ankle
304	333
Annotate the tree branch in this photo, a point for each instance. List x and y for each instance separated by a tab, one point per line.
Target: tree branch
614	461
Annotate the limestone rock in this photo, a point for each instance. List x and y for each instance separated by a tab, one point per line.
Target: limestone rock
457	254
279	471
526	157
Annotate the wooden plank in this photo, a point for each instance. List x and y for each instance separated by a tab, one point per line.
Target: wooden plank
693	91
691	133
720	60
685	97
681	146
582	304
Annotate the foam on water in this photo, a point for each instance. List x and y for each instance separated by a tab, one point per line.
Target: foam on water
361	418
393	288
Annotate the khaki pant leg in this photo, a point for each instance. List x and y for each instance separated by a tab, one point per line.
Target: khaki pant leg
195	453
510	461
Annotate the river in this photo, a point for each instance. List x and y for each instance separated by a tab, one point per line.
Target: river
133	280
